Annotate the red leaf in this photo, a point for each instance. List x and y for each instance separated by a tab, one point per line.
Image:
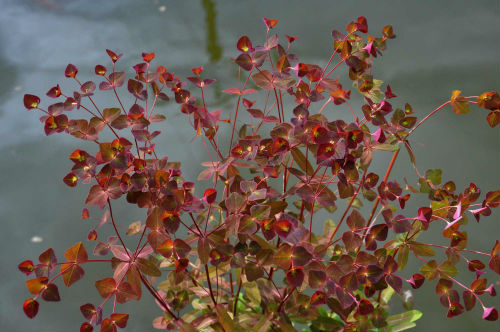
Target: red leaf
495	263
469	299
88	310
51	293
181	248
492	199
54	92
86	327
388	32
495	248
47	260
36	285
106	286
195	80
269	22
117	79
120	319
234	91
443	286
295	276
31	101
148	56
71	71
475	265
263	79
76	254
125	292
318	298
30	307
97	196
244	44
388	93
282	228
244	61
362	24
417	280
71	273
207	82
70	179
210	195
197	71
490	314
114	57
455	309
88	88
395	282
85	213
107	325
291	39
365	307
100	70
26	267
181	264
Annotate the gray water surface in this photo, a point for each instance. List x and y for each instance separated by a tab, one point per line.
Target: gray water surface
440	46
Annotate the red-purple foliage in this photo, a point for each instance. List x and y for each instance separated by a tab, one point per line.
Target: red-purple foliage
250	258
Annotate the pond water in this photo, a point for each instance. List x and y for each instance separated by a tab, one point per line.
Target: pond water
440	46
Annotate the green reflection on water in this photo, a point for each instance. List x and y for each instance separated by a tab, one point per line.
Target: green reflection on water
213	47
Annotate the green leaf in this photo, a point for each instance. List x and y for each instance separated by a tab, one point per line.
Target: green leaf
448	269
421	249
328	228
148	267
235	202
325	323
264	80
300	159
387	294
184	326
253	271
203	250
424	186
458	103
402	258
386	147
110	114
429	270
260	212
286	327
493	118
262	243
434	175
402	321
225	320
263	325
252	292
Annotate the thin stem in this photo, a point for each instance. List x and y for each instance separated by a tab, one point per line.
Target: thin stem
387	173
324	105
116	229
345	212
428	116
238	105
468	250
284	299
236	298
157	297
210	285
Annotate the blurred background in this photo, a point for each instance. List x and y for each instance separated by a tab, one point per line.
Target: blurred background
440	46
